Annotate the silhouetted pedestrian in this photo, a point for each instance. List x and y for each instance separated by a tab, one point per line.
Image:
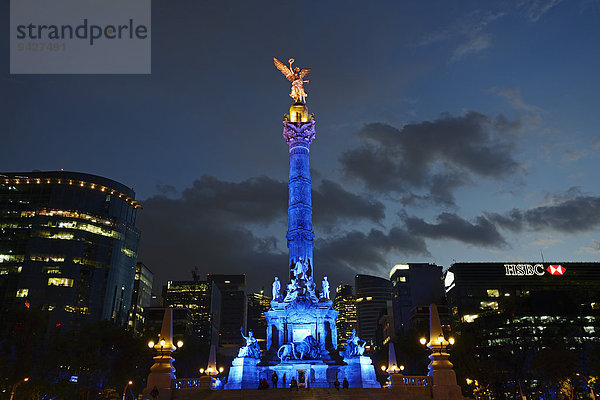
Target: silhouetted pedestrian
293	384
345	383
154	393
336	384
274	379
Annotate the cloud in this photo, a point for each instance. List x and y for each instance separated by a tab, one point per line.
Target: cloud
535	9
437	156
593	249
331	204
573	155
578	214
234	226
357	251
513	96
546	242
481	233
475	44
467	34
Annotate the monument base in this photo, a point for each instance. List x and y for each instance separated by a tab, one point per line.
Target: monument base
360	372
243	374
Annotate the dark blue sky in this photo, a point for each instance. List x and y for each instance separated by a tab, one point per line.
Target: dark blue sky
446	131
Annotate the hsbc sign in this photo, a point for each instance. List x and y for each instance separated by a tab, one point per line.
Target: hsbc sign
533	269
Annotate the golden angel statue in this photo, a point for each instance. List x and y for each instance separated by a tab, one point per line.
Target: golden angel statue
296	76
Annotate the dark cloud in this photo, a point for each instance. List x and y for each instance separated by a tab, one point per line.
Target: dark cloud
481	233
357	251
569	215
402	160
331	203
234	226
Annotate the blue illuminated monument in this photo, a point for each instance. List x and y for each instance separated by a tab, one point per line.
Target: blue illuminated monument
301	323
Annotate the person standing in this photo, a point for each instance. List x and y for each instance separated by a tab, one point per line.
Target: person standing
345	383
274	379
154	393
293	384
336	384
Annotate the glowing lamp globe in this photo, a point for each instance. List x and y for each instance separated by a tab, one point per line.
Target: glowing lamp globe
151	344
423	341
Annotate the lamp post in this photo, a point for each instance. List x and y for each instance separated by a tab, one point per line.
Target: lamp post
590	382
125	388
15	386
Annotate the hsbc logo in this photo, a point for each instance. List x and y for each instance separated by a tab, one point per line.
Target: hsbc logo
532	269
556	269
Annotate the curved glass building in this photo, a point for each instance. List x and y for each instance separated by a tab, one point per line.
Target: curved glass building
68	246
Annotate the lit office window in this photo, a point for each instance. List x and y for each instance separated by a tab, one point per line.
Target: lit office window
60	282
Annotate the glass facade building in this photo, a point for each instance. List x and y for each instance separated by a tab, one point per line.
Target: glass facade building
141	297
258	303
345	304
415	286
372	295
233	308
68	246
516	313
203	300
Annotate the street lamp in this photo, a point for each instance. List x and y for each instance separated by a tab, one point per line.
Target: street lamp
441	342
590	382
163	343
125	388
15	386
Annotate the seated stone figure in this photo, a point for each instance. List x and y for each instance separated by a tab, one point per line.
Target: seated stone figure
251	349
354	346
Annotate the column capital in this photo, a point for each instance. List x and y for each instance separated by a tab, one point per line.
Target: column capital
299	133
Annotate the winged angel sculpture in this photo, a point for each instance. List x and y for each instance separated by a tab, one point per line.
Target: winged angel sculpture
296	76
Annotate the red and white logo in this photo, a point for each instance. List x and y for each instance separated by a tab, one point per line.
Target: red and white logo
556	269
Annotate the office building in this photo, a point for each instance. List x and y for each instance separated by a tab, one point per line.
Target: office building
344	303
512	311
415	286
203	300
183	324
233	308
372	295
258	304
68	246
141	297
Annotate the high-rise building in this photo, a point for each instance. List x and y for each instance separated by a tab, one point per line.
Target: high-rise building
68	246
233	308
372	295
203	299
513	311
141	297
345	304
415	287
258	304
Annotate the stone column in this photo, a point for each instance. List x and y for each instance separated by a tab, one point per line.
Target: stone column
299	136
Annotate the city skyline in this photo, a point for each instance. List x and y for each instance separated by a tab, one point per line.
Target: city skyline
444	132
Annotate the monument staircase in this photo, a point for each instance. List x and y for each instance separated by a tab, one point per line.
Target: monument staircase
302	394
